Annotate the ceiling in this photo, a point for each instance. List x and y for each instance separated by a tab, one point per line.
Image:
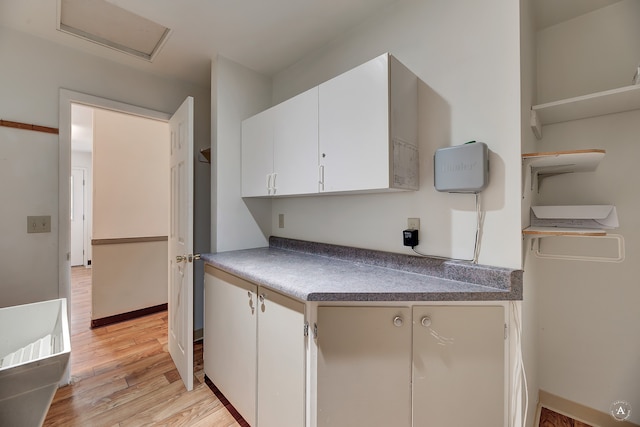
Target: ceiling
264	35
551	12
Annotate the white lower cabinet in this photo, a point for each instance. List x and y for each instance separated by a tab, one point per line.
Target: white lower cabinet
254	350
230	348
375	366
281	361
417	366
458	366
364	366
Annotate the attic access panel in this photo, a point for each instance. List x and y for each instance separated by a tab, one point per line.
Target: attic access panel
106	24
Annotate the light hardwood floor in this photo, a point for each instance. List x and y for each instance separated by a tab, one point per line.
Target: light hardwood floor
123	375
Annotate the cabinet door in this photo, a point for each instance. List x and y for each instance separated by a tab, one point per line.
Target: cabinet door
295	154
354	128
281	361
257	154
458	366
364	366
230	339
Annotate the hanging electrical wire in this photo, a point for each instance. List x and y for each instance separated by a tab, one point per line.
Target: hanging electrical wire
478	236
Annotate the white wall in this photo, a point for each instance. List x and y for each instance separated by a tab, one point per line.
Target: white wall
237	93
120	285
130	176
467	55
32	77
29	262
591	53
131	199
589	317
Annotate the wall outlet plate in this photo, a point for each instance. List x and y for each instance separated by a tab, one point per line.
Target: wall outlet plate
413	223
39	224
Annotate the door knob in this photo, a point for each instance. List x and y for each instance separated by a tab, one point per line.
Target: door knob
426	321
193	257
397	321
181	258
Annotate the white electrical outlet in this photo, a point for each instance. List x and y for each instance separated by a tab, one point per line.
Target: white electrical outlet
413	223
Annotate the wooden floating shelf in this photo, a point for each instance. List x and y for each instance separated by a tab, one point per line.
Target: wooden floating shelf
596	104
557	231
564	161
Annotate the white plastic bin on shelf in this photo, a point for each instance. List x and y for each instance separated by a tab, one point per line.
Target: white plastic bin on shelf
602	217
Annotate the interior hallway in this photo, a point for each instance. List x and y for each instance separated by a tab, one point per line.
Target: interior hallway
123	375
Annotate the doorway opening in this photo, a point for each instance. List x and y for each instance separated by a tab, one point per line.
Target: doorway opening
131	207
126	218
70	103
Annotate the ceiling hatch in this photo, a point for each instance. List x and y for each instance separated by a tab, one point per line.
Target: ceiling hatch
109	25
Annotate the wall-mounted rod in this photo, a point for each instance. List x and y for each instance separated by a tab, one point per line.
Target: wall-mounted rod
25	126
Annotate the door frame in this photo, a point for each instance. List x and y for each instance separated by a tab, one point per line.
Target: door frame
66	98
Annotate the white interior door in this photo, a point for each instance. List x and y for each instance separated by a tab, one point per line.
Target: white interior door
181	242
77	217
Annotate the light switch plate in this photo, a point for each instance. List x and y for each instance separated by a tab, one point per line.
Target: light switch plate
39	224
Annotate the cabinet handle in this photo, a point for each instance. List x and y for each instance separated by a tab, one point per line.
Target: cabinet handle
426	321
397	321
273	183
321	177
250	301
268	183
262	297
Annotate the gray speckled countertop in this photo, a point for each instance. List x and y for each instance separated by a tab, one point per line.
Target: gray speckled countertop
320	272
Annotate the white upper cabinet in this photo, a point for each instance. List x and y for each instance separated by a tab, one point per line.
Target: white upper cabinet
356	132
368	128
295	155
280	149
257	154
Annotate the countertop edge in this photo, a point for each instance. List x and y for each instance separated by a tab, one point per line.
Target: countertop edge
480	291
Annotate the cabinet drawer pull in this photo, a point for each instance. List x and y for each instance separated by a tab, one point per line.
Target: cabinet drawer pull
397	321
426	321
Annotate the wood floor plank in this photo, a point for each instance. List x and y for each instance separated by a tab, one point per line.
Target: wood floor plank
181	406
123	375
